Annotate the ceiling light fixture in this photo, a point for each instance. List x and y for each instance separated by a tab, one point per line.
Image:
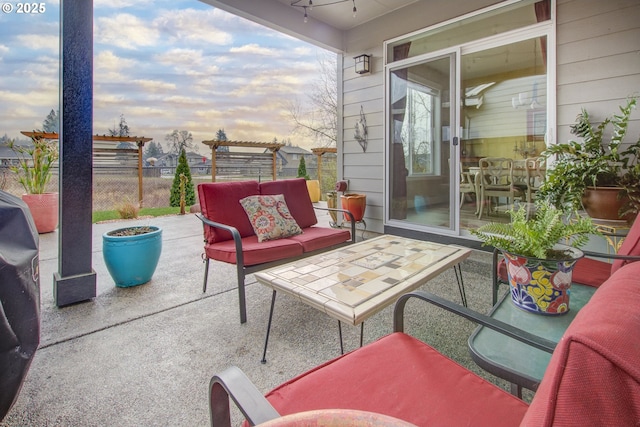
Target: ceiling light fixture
308	5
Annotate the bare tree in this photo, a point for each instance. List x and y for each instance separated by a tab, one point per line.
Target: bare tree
180	140
320	119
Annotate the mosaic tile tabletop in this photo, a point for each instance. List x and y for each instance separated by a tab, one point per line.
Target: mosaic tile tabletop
356	281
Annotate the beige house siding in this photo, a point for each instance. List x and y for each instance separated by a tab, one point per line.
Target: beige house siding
598	56
598	66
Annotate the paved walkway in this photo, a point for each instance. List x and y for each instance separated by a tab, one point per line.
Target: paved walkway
143	356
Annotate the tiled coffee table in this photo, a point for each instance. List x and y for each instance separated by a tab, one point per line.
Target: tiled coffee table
356	281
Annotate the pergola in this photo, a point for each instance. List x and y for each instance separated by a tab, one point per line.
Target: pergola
139	141
319	152
272	146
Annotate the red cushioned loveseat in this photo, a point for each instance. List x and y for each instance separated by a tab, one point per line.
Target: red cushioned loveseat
593	378
229	236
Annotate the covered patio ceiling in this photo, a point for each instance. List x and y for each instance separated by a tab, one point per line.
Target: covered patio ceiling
325	26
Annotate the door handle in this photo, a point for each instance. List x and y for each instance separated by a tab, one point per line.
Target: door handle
455	140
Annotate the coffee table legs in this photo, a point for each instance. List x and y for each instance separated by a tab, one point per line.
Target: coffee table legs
458	270
340	334
266	340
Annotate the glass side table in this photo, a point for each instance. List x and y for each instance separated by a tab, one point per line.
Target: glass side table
512	360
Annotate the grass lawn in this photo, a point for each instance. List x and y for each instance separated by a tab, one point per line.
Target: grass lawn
99	216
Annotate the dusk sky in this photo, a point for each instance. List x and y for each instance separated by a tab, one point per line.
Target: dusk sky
165	65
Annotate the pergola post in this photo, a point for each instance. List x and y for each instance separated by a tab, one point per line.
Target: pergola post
75	279
140	145
319	152
213	163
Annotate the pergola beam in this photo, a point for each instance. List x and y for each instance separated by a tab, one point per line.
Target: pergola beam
273	146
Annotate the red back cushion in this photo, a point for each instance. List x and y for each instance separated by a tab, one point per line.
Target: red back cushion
593	377
297	197
220	202
630	246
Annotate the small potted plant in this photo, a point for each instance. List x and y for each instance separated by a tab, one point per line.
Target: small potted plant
539	266
585	171
34	169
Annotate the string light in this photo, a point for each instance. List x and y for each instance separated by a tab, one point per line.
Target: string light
310	5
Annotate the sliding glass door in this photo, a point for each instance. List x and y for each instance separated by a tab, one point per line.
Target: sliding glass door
422	127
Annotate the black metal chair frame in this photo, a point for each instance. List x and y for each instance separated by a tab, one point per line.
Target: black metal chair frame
244	270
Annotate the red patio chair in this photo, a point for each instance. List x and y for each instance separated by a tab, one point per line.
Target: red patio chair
592	377
587	271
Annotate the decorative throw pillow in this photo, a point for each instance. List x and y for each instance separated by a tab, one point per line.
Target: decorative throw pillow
270	217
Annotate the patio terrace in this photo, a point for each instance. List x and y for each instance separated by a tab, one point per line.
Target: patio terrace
144	356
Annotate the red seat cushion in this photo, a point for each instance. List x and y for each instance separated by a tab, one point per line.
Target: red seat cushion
254	252
630	246
297	197
314	238
593	378
220	202
402	377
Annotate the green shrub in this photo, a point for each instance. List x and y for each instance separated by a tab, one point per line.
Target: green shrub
190	195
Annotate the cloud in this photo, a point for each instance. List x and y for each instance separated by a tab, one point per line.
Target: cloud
255	49
39	42
155	85
180	57
191	25
119	4
124	30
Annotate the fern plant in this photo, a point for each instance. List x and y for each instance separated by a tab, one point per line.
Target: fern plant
594	161
536	237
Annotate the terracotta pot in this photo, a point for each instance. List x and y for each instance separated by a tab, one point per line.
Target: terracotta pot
541	286
313	185
602	202
354	203
44	210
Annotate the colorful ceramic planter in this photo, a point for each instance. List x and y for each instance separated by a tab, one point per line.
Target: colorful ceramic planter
541	286
132	259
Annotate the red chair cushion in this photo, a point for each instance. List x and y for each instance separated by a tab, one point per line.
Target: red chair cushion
593	378
402	377
630	246
591	272
254	252
314	238
297	197
220	202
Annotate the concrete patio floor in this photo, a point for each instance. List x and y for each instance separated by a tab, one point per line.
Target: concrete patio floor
143	356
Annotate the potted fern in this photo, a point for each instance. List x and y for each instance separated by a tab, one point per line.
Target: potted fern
539	266
599	171
34	169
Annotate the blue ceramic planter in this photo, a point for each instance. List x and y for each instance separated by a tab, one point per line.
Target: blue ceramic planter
132	260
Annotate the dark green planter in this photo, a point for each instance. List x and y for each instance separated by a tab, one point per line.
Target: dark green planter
132	260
